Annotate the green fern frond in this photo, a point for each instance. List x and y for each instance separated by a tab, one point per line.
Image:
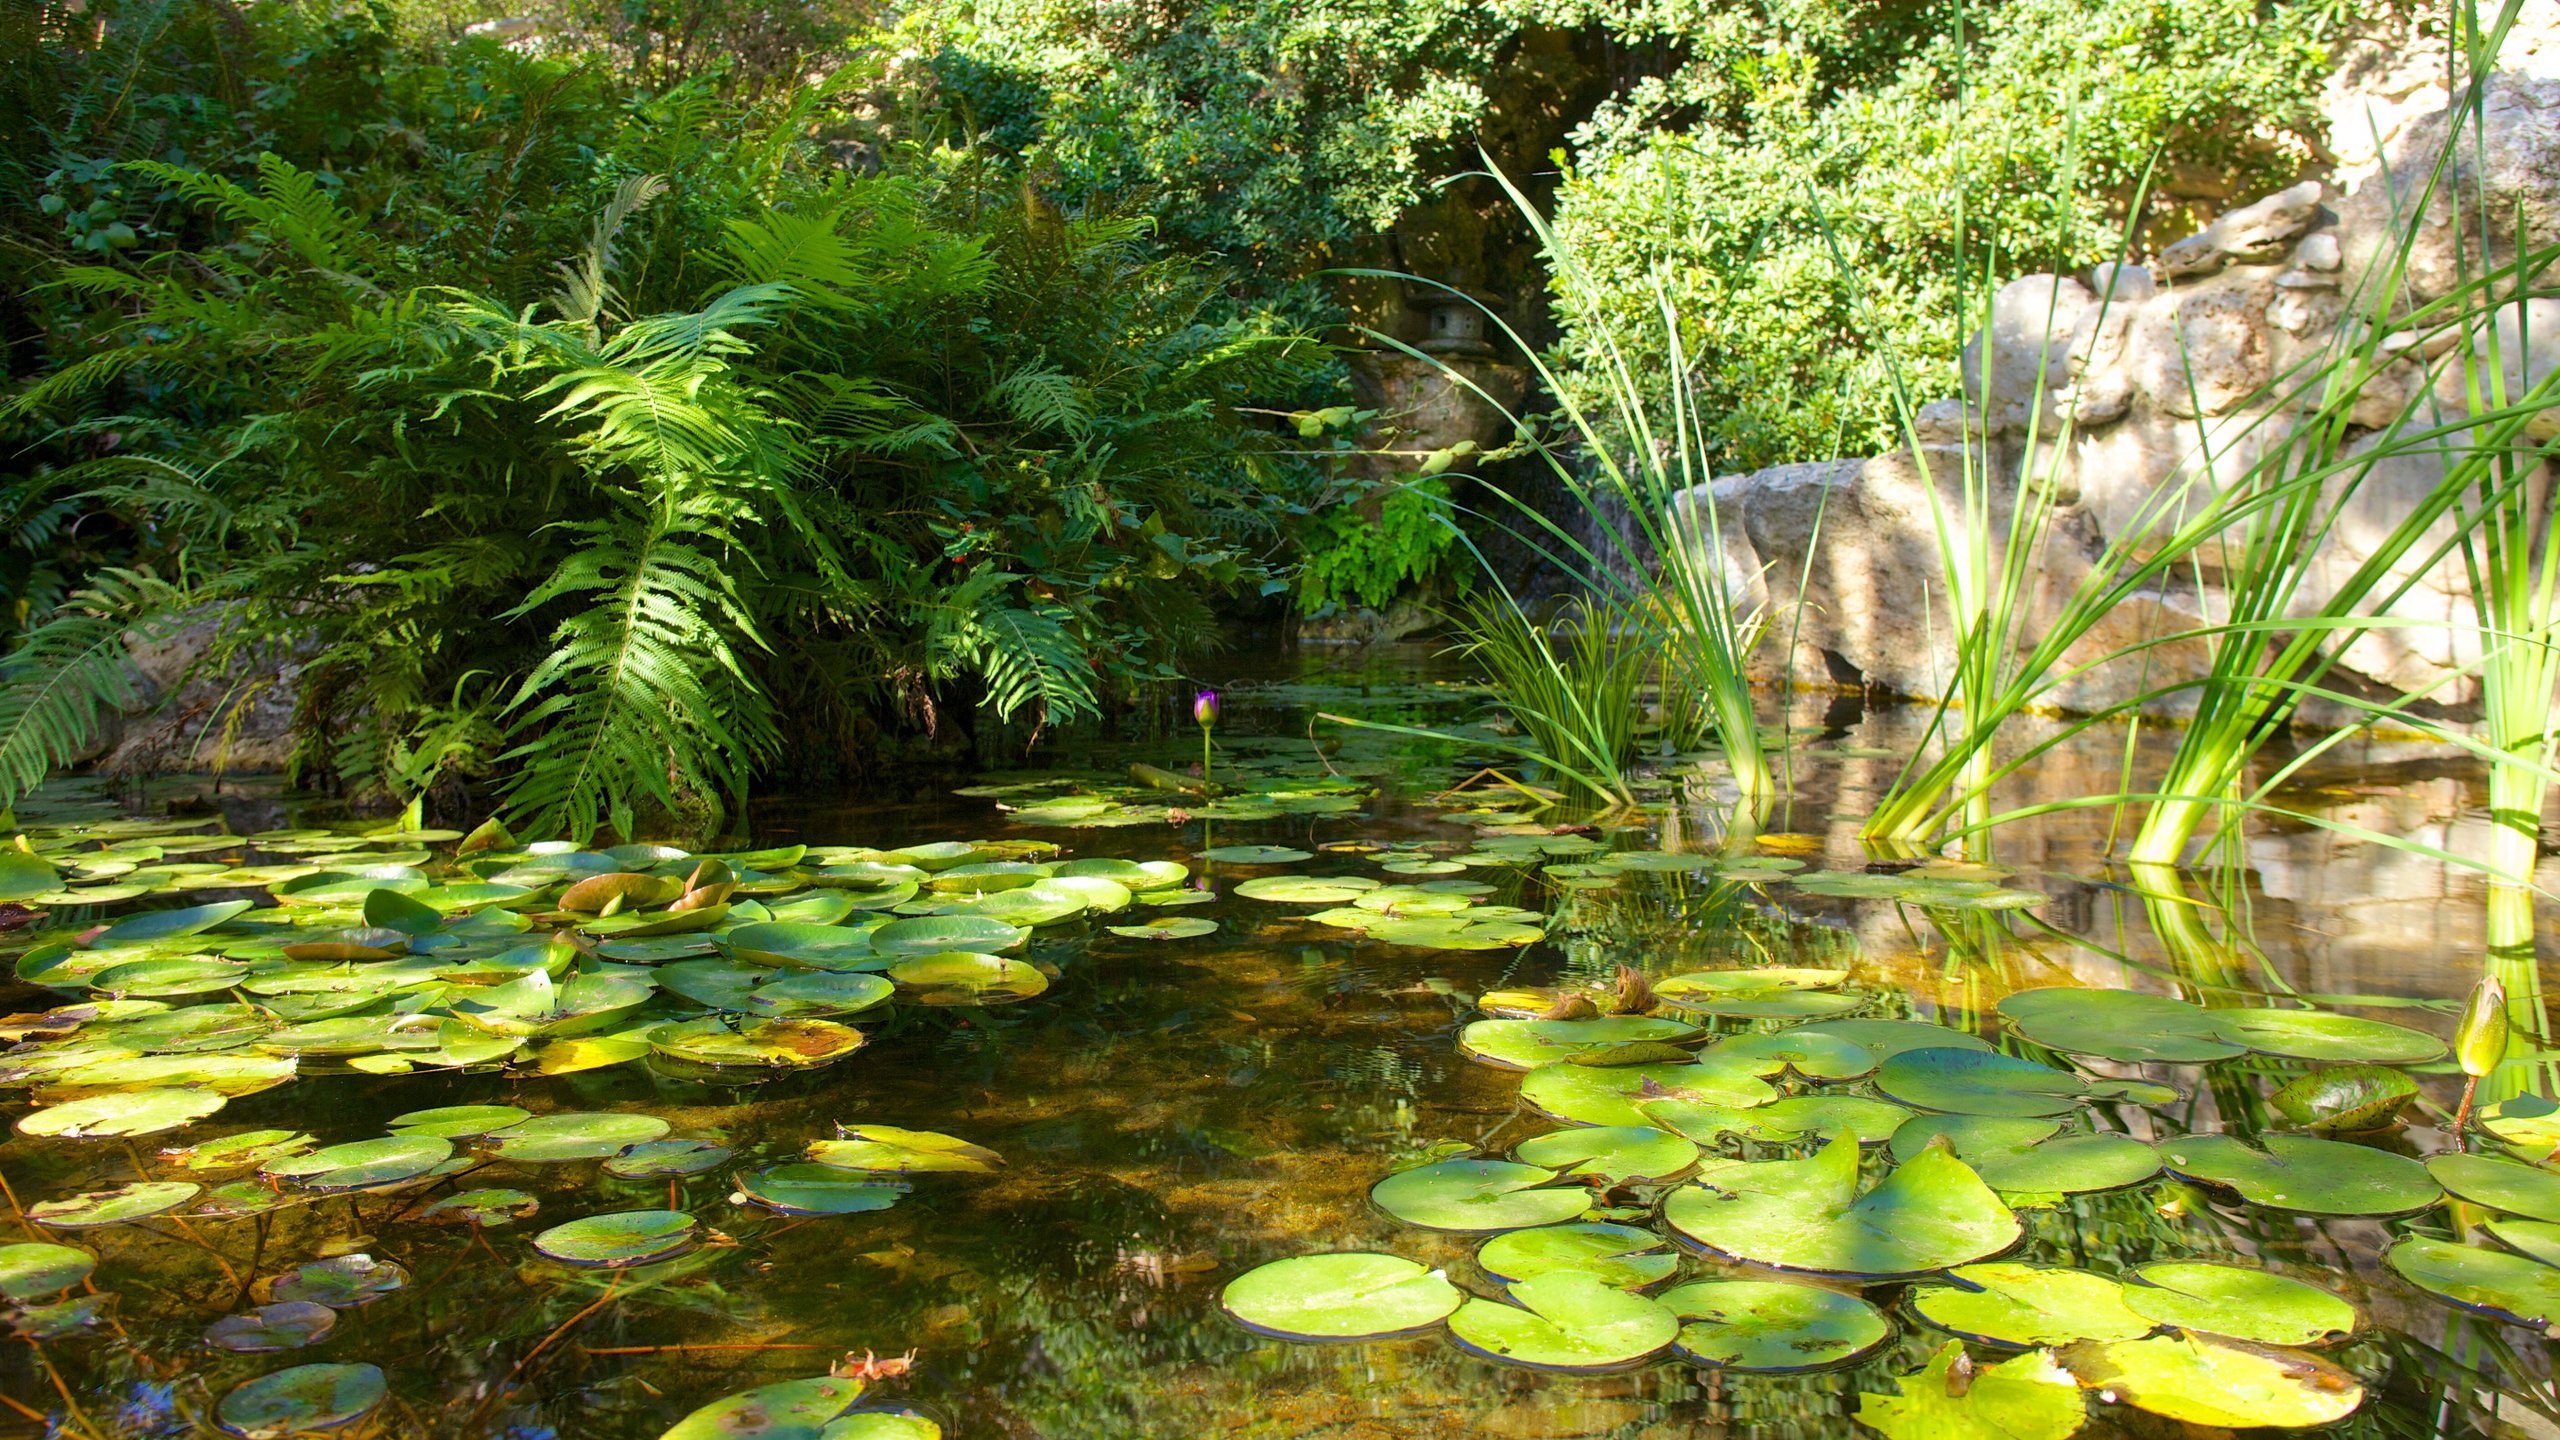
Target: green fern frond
586	291
72	670
1044	398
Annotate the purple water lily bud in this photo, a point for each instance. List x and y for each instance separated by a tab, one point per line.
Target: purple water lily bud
1204	708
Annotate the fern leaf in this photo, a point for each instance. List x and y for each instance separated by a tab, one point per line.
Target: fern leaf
71	670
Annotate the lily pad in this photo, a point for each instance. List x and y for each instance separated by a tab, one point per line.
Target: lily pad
758	1045
1823	1117
484	1208
2311	1177
341	1282
1979	1082
1616	1155
2117	1024
1806	1051
458	1122
807	947
658	1159
2024	1306
363	1164
1354	1296
888	1149
941	934
1528	1044
1568	1320
2026	1398
122	1112
301	1400
35	1269
120	1206
2205	1381
2345	1099
1772	1326
2533	1239
960	977
285	1325
1171	928
2255	1305
167	924
574	1135
2500	1185
2493	1282
1478	1196
627	1237
2025	1154
808	1189
2323	1035
1244	855
1589	1095
881	1425
1885	1039
791	1410
2528	1122
1307	889
1931	1213
1770	993
1621	1255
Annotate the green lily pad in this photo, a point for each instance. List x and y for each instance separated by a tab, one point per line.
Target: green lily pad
1478	1196
170	977
1768	993
35	1269
285	1325
808	947
626	1237
2298	1173
2345	1099
1823	1117
363	1164
2498	1184
2117	1024
1528	1044
484	1208
758	1045
791	1410
1885	1039
1241	855
1171	928
2025	1154
2023	1306
2025	1398
1621	1255
1932	1212
1590	1095
574	1135
1340	1297
249	1147
2322	1035
2493	1282
2533	1239
2254	1305
2528	1122
1815	1056
808	1189
121	1112
342	1282
1617	1155
1771	1326
301	1400
658	1159
888	1149
120	1206
1307	889
458	1122
167	924
24	876
1566	1320
943	934
1979	1082
881	1425
62	1318
960	977
2205	1381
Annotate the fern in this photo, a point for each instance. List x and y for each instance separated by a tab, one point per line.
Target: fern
1025	654
73	669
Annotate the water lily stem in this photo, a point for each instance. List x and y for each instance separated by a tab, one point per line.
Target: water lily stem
19	1210
2462	1114
562	1329
78	1417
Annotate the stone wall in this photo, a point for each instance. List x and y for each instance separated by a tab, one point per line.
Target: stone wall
2134	387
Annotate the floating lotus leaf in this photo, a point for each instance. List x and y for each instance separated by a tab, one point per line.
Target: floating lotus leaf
1655	861
625	1237
1528	1044
189	1030
1250	855
988	877
1340	1297
1885	1039
181	976
1823	1117
2346	1099
944	934
2243	1304
301	1400
1590	1095
2322	1035
1128	874
2117	1024
811	947
347	887
1932	1212
1454	933
119	1205
761	1044
680	919
1569	1320
784	994
1812	1055
1422	867
62	1318
342	1282
24	876
1978	1082
892	1150
801	1189
2023	1306
1620	1255
881	1425
1617	1155
1307	889
1772	1326
959	977
458	1122
2528	1122
35	1269
620	890
2205	1381
575	1135
122	1112
2312	1177
657	1159
2026	1398
1046	903
167	924
2510	1287
792	1410
1478	1196
391	910
286	1325
363	1164
249	1147
236	1200
2484	1180
2533	1239
2029	1154
1167	929
224	1073
484	1208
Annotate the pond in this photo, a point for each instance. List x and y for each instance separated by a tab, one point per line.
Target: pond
1061	1143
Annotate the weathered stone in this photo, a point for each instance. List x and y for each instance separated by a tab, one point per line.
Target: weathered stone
2036	322
2318	252
2192	258
2201	353
2261	230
